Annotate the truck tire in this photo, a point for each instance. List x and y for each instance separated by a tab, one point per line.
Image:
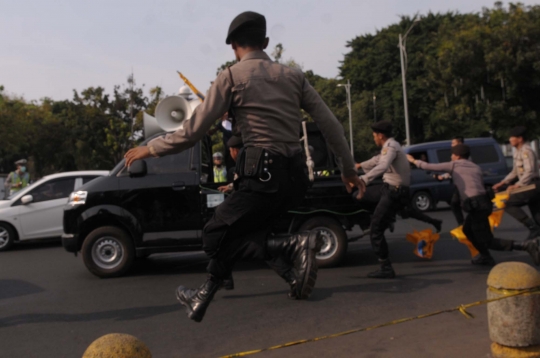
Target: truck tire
334	240
7	236
422	201
108	251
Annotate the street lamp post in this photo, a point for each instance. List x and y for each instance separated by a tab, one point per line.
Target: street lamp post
403	56
348	90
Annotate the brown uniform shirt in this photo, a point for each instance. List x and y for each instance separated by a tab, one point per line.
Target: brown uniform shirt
467	176
525	166
267	98
392	164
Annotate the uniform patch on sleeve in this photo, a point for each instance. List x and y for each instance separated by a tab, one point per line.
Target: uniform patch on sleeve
384	151
525	155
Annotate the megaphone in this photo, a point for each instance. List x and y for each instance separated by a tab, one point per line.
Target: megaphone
151	125
171	112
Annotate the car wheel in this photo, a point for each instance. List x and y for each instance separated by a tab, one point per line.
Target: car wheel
108	252
335	240
422	201
7	237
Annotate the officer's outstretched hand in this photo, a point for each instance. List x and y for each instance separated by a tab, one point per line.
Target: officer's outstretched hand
136	154
354	181
497	186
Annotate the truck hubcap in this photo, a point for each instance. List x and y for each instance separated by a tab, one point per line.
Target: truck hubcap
330	246
107	252
4	237
422	202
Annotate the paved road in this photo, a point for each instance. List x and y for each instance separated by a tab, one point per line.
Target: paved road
51	306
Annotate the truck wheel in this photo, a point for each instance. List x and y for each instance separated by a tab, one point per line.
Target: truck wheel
335	241
7	237
422	201
108	252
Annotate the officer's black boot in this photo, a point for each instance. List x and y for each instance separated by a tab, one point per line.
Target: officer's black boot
534	229
197	301
483	260
300	249
437	224
386	270
290	278
227	283
531	246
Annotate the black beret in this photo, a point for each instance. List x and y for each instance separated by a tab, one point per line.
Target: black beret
384	127
519	131
248	19
462	150
235	142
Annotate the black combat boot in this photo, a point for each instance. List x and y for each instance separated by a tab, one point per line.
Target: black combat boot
531	246
300	249
437	224
290	278
228	283
534	229
386	270
197	301
483	260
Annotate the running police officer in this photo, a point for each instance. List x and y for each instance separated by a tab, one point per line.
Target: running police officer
476	201
389	197
265	98
526	172
455	202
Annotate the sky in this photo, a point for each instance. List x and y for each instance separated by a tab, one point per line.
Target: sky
49	48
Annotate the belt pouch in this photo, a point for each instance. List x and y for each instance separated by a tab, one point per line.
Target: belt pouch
252	162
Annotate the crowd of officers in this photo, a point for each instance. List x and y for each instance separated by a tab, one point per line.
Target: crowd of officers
264	100
471	195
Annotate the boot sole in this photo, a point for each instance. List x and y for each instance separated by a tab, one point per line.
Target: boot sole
310	278
191	315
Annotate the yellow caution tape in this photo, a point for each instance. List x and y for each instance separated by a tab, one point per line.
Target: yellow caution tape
460	308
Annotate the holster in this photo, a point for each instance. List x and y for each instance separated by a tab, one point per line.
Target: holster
478	203
250	163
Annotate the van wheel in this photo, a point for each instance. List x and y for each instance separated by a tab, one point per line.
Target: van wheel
422	201
108	251
7	237
335	240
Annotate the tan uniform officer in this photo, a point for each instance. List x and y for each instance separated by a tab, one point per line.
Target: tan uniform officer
525	172
265	98
389	197
475	201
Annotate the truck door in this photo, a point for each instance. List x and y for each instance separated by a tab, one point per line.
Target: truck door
165	201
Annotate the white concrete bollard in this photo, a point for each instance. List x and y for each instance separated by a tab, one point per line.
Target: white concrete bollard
514	323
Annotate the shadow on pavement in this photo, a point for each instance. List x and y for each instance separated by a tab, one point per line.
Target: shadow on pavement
118	315
17	288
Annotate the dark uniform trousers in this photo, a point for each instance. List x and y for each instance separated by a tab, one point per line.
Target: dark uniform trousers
455	205
476	226
385	202
530	198
241	224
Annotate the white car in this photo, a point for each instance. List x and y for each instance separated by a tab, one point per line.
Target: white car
36	211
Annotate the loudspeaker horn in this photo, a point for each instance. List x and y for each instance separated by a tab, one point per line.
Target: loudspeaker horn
171	112
151	125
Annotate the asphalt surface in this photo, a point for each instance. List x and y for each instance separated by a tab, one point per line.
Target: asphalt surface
51	306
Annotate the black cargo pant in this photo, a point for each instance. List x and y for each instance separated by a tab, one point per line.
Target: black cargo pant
240	225
476	227
385	203
455	205
530	198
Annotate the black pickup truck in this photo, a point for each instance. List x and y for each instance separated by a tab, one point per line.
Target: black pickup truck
162	204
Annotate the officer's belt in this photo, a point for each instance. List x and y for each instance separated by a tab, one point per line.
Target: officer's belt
276	161
396	187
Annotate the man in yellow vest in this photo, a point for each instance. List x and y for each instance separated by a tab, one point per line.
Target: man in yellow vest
220	172
18	179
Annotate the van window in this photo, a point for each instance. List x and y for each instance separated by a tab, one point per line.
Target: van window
443	155
419	156
483	154
169	164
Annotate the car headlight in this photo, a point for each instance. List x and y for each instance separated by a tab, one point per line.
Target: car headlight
77	198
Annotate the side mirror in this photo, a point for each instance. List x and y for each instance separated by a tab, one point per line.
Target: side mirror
27	199
137	169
